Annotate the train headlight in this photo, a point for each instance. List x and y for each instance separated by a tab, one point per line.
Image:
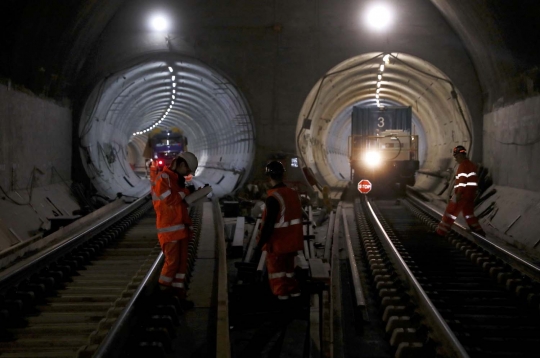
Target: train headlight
372	159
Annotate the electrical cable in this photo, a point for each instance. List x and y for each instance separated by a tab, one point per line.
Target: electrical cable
536	141
397	155
453	93
11	199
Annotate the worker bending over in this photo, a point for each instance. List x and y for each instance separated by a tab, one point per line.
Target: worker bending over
174	223
465	187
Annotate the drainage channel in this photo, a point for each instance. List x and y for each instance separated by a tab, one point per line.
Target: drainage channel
66	307
445	297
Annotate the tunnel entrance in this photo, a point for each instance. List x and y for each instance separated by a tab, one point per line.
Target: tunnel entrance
440	116
161	93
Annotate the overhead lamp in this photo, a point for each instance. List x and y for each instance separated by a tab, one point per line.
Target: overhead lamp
170	69
378	84
380	68
173	97
159	22
172	102
173	91
173	78
379	76
377	96
378	90
174	84
386	58
379	17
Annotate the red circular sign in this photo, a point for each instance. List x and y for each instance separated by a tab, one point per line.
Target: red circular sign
364	186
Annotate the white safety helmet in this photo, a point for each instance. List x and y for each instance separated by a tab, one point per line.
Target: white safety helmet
190	159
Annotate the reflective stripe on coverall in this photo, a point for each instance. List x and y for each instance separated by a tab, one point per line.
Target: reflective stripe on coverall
465	184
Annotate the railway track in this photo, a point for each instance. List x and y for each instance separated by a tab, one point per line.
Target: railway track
66	306
443	297
393	280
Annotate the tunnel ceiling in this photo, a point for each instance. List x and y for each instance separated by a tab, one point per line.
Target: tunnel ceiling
49	42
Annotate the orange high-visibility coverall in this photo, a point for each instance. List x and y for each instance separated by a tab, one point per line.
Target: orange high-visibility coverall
286	239
173	227
465	184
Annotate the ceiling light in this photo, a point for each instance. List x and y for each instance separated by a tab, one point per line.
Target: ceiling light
159	23
378	84
379	17
170	69
381	68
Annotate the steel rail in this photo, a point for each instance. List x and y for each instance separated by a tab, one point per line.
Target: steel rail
329	237
437	322
115	341
18	272
223	343
336	328
360	299
510	258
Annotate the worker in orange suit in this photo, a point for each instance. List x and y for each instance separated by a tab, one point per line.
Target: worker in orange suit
281	233
465	187
173	223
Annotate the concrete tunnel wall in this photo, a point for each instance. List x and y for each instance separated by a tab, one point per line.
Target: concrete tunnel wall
35	164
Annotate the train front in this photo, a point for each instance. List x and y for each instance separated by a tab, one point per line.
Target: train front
383	148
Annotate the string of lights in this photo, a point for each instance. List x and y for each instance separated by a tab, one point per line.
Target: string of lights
385	61
166	112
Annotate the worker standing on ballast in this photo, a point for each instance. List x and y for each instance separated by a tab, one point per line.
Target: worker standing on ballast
465	187
281	234
173	223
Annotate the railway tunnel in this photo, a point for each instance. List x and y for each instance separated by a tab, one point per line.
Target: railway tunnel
83	84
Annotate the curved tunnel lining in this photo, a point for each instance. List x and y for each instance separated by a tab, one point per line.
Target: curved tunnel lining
442	116
124	107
